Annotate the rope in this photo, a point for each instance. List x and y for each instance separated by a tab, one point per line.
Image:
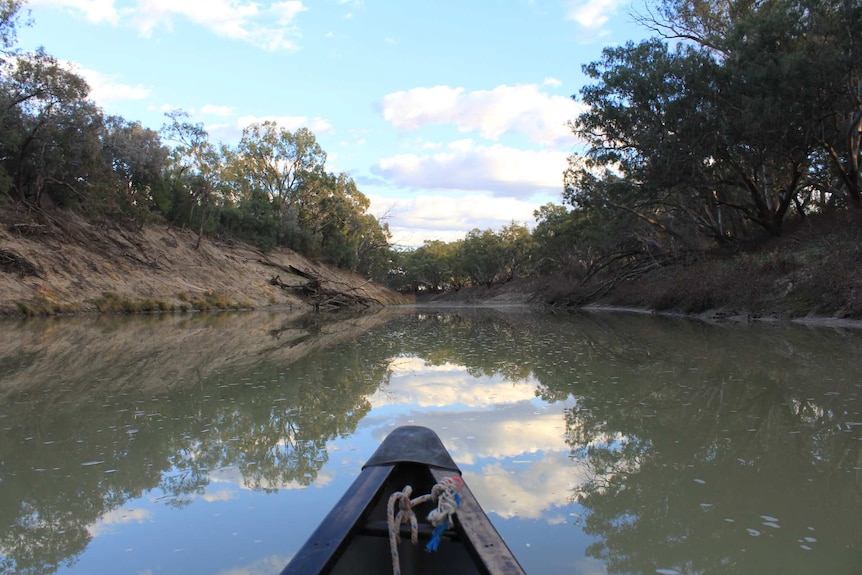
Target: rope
448	499
444	493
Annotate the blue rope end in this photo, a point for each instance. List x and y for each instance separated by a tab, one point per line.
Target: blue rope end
435	538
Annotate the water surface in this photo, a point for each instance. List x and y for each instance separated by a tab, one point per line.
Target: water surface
607	443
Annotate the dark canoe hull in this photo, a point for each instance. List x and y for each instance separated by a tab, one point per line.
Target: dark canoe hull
354	538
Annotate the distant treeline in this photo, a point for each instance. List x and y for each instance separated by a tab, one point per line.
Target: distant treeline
58	149
735	121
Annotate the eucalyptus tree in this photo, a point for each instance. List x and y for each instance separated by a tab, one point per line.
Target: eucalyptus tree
685	148
834	51
278	162
318	213
517	248
50	131
10	18
138	160
482	255
808	51
196	170
324	216
559	243
349	236
431	266
375	257
723	130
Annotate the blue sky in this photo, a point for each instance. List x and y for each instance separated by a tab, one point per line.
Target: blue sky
450	115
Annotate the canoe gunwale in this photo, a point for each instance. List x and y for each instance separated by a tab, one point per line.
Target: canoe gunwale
484	542
409	446
327	542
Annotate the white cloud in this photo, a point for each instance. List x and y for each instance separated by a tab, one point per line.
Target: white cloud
221	495
411	109
553	82
212	110
292	123
497	169
232	475
269	27
448	217
93	10
592	14
530	493
404	237
511	431
415	382
520	431
118	517
516	463
104	88
510	446
522	109
265	565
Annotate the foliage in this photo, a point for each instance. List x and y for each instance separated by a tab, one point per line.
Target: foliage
481	258
278	162
57	149
733	120
433	267
50	132
10	14
731	128
736	119
274	435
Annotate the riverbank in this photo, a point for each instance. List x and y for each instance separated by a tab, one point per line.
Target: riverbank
58	263
55	262
812	274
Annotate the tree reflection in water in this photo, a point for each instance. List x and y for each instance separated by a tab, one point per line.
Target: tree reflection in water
710	449
86	452
694	455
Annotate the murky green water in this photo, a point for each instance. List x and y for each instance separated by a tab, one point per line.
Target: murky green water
597	443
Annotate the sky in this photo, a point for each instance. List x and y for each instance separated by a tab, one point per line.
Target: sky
450	115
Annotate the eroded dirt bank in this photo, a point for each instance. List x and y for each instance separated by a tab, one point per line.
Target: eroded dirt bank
56	262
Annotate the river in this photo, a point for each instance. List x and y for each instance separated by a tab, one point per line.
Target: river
597	443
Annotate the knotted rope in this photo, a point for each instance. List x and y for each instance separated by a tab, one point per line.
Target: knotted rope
447	497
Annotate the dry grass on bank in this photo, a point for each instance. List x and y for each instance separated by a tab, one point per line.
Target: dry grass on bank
814	269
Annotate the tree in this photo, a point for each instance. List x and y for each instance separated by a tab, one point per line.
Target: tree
432	266
50	131
373	247
697	140
754	109
483	257
832	49
196	165
10	14
278	161
554	238
810	48
138	160
517	250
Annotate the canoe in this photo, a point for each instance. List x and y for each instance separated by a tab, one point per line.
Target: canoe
354	537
